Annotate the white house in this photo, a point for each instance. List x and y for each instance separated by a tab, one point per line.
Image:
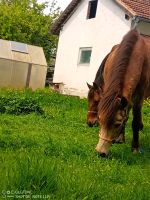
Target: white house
87	31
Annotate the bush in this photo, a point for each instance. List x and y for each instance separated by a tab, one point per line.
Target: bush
15	104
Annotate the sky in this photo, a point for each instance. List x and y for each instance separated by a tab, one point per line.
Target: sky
61	3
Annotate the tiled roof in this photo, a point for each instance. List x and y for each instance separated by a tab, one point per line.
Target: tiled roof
139	8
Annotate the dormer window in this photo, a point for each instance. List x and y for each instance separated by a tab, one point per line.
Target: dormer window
92	8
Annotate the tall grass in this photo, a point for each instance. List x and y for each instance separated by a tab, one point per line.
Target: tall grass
52	155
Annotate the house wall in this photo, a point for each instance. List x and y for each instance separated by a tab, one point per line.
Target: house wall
100	33
144	27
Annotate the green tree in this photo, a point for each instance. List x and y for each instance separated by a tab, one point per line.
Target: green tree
25	21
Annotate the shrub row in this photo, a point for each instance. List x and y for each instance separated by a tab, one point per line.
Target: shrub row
13	103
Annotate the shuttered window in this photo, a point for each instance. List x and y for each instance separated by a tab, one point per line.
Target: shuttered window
92	8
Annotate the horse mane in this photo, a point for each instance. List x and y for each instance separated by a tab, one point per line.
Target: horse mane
113	88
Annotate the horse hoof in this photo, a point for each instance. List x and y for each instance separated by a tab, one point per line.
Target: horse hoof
136	151
141	126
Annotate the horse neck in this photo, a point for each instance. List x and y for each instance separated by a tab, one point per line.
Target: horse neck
115	73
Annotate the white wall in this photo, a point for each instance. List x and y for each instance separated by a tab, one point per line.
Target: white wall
100	33
144	28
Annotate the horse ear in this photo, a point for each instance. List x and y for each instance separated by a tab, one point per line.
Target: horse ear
95	86
89	86
124	102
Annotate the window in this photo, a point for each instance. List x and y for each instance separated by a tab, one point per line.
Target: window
127	17
20	47
92	9
84	56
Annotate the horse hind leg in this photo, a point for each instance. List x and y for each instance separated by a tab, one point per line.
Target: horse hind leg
137	125
141	126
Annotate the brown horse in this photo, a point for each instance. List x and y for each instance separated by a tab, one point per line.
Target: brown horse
94	96
95	93
126	83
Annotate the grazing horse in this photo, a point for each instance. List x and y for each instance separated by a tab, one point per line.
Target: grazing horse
127	83
95	93
94	96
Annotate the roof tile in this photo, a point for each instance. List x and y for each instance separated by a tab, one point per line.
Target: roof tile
139	8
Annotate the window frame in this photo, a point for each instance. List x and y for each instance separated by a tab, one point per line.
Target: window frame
81	49
89	11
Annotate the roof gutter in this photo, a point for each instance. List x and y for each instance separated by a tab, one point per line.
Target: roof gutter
137	19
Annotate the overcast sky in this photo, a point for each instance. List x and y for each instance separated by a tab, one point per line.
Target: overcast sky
61	3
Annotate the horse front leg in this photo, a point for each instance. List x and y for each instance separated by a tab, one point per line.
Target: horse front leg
121	138
137	125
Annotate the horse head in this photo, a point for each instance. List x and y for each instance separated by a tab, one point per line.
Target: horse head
94	96
112	124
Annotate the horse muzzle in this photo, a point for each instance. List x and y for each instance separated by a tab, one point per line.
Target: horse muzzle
93	123
103	147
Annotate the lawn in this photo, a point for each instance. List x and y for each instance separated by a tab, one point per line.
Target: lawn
51	154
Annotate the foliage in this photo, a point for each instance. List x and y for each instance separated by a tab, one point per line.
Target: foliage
25	21
54	154
19	103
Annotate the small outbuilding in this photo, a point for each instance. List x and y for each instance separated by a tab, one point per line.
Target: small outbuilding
21	65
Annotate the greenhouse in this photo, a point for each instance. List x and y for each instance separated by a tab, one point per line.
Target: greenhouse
21	65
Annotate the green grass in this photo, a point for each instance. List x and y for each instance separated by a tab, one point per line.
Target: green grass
53	154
